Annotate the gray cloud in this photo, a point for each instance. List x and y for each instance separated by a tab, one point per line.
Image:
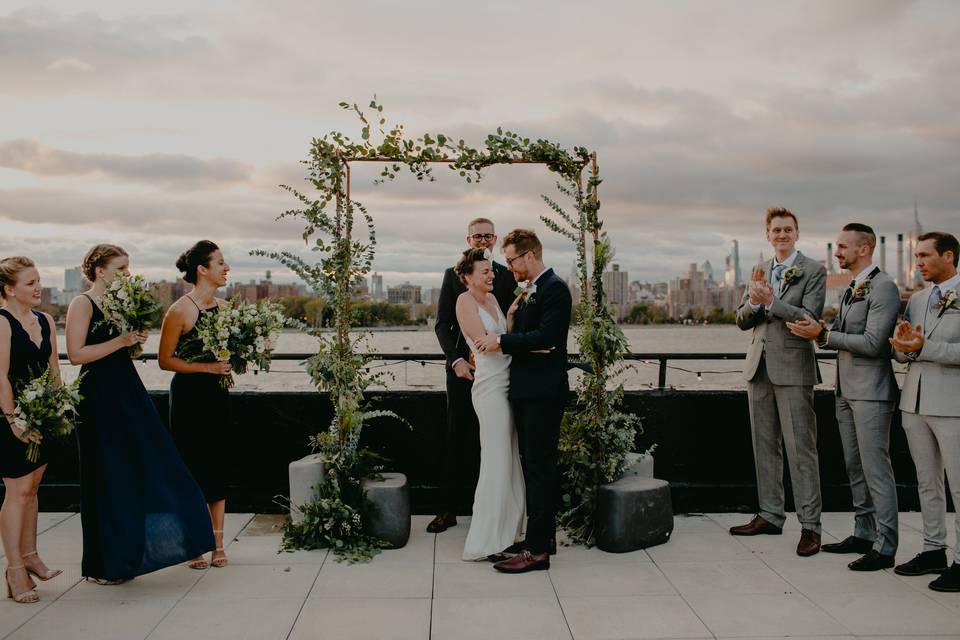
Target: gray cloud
156	168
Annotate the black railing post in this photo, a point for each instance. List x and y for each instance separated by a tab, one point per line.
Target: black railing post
662	376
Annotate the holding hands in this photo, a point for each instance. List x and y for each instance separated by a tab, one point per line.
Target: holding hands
907	338
760	291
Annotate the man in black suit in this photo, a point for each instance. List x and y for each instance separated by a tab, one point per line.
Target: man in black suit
462	428
538	389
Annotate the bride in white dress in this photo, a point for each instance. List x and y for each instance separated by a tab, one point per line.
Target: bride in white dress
499	506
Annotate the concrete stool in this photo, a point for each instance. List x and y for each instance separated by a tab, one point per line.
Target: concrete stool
305	474
634	513
391	496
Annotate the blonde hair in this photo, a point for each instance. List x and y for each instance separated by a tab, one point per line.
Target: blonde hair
10	269
99	256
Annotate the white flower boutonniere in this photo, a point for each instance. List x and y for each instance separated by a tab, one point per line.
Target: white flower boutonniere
526	289
861	290
792	274
948	301
488	255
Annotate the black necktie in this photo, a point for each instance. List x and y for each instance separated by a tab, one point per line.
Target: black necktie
847	295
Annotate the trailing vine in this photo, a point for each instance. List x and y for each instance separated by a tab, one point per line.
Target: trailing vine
595	436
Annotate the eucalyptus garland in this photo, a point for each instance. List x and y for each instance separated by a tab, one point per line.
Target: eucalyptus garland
595	436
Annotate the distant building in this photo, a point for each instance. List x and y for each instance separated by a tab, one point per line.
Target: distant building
266	289
434	295
377	286
732	276
405	293
360	290
837	283
616	285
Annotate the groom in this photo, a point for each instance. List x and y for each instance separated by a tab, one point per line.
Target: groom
538	389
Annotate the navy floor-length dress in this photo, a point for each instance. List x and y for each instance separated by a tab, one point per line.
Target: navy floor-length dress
140	508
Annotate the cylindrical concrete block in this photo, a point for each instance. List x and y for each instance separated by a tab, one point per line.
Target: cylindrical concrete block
391	518
305	474
634	513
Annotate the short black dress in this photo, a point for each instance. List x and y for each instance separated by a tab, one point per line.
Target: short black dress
140	508
27	361
199	419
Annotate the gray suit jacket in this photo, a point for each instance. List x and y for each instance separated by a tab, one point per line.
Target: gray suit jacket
860	335
932	386
789	360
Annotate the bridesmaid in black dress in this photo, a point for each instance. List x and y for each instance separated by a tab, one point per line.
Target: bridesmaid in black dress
28	346
198	402
140	508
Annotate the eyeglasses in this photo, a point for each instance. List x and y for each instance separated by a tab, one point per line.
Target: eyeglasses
510	260
478	237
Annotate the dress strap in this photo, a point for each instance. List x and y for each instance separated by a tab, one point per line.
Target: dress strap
194	302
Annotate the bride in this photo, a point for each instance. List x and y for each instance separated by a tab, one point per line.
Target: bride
498	504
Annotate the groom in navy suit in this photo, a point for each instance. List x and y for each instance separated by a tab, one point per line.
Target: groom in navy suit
538	389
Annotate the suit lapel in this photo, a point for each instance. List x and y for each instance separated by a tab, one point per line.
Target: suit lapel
937	316
798	263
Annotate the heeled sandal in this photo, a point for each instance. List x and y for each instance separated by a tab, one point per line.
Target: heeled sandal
222	561
24	597
198	563
51	573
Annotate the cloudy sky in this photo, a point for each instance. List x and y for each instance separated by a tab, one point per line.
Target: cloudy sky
155	124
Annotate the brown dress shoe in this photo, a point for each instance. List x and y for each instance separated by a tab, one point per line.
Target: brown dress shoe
442	522
757	526
809	543
523	562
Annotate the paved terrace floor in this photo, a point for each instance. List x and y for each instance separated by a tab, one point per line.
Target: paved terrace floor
702	584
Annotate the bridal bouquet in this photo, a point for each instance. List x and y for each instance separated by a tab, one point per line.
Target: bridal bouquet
47	407
129	305
241	334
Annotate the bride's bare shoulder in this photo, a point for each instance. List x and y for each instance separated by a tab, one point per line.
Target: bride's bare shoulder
466	300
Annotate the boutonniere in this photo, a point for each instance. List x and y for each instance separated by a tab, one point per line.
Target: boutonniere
948	301
792	274
526	289
861	290
488	255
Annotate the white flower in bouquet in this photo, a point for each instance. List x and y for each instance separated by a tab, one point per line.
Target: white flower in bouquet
46	407
240	333
129	305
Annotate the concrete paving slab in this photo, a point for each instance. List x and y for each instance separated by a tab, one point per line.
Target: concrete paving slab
481	580
364	619
786	614
238	619
622	618
501	618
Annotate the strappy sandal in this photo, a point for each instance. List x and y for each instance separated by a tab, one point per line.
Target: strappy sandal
24	597
51	573
106	582
198	563
222	561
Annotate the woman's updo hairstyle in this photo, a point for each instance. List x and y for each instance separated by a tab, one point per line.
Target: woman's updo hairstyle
470	257
196	256
10	268
99	256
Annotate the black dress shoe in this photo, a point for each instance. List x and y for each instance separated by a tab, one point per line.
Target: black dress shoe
927	562
852	544
872	561
442	522
518	547
949	581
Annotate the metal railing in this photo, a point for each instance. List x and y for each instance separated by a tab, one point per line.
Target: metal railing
662	360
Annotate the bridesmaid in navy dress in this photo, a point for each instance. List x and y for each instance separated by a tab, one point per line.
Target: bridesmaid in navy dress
28	346
198	402
140	508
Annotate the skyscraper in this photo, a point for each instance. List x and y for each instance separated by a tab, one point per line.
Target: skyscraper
377	281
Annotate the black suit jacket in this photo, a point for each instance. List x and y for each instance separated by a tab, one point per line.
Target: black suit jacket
447	328
542	323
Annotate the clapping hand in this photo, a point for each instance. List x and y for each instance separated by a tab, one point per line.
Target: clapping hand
807	328
907	338
760	291
487	343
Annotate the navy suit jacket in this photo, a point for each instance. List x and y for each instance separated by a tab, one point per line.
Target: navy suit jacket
541	323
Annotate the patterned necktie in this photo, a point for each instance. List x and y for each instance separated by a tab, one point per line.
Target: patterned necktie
935	298
778	276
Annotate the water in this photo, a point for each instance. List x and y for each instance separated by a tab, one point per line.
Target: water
288	375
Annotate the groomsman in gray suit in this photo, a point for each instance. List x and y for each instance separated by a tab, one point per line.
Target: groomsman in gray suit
781	370
931	401
866	392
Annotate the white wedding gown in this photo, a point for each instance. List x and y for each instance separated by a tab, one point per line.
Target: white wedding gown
499	504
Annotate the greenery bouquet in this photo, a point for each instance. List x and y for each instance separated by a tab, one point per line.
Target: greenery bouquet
241	334
129	305
47	407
